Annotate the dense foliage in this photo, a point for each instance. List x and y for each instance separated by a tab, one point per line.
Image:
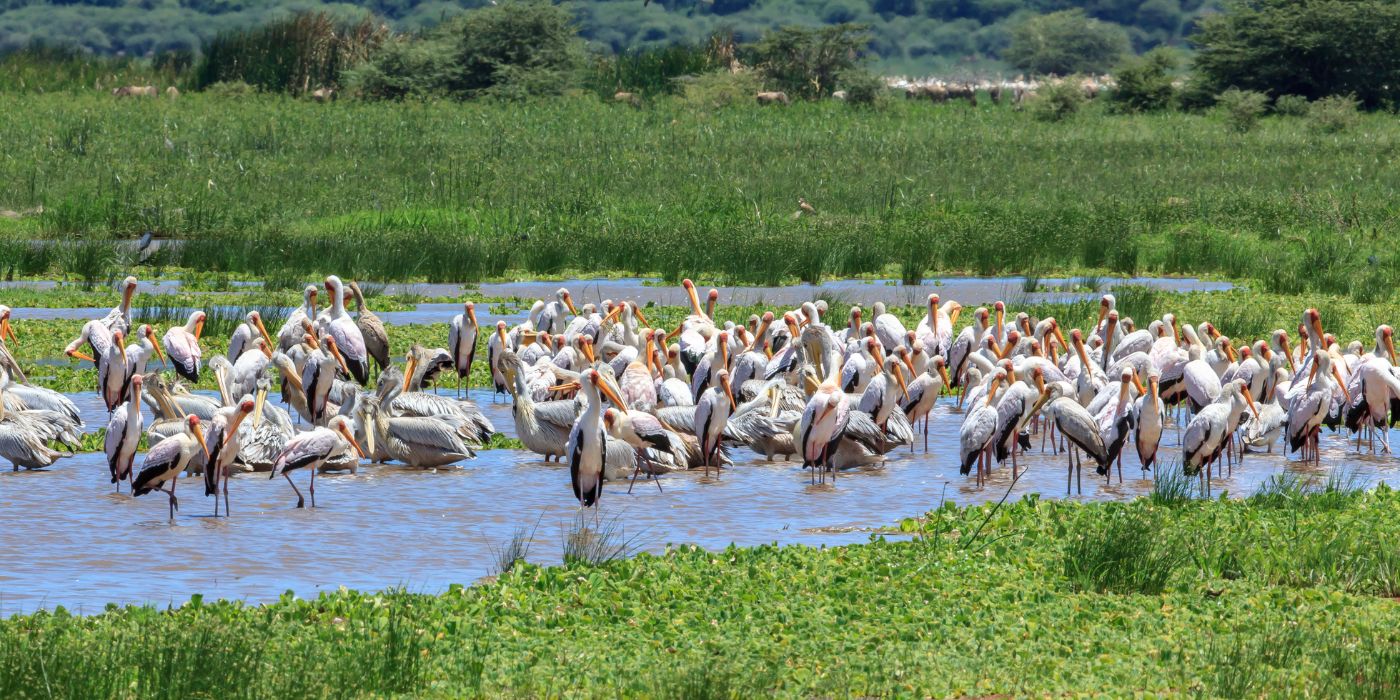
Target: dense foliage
1313	48
1162	596
913	36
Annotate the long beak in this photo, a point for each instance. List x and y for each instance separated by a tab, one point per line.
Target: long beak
369	438
263	330
1060	337
1389	347
612	315
1103	311
588	352
566	386
879	358
409	368
1006	349
612	396
295	381
1249	399
1230	353
672	335
237	420
121	347
223	387
637	311
953	317
8	330
762	331
569	302
1317	328
908	359
1341	384
501	333
992	389
1137	382
903	386
694	301
1156	389
345	432
151	335
1288	355
947	384
1083	356
267	351
198	329
199	436
258	404
335	351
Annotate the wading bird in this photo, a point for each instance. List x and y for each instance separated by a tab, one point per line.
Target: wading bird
312	449
165	462
182	345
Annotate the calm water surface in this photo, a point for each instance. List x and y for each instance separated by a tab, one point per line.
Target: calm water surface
68	540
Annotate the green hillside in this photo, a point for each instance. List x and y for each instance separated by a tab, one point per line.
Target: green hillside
954	37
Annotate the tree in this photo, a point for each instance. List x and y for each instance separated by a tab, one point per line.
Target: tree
519	45
805	62
1144	83
1313	48
1066	42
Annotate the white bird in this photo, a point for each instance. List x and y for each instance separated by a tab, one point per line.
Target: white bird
496	345
1115	421
861	366
182	345
923	394
119	318
552	318
293	329
242	338
111	372
978	430
227	440
165	462
124	429
968	341
1209	429
1309	407
1074	422
461	342
318	378
1150	411
313	448
25	434
587	445
888	328
348	337
711	414
823	425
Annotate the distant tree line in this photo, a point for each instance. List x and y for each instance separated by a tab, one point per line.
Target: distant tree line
1251	56
906	36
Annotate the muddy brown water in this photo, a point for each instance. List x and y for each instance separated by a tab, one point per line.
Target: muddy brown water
69	540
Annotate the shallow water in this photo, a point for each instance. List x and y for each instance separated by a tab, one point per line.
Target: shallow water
421	314
969	290
69	540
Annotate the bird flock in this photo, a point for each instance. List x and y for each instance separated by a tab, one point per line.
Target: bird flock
602	389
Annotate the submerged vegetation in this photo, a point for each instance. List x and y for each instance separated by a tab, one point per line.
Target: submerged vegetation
1045	598
272	187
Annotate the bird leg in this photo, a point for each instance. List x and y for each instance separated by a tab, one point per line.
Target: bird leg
227	511
300	501
313	487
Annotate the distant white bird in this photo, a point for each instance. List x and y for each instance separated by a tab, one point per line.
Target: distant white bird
823	425
1150	413
978	430
119	318
292	330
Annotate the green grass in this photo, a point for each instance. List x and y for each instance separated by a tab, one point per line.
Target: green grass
462	192
933	617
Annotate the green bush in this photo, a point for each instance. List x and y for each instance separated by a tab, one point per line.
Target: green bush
1291	105
518	49
1242	108
721	88
1144	83
1055	102
805	62
864	88
231	88
1333	114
